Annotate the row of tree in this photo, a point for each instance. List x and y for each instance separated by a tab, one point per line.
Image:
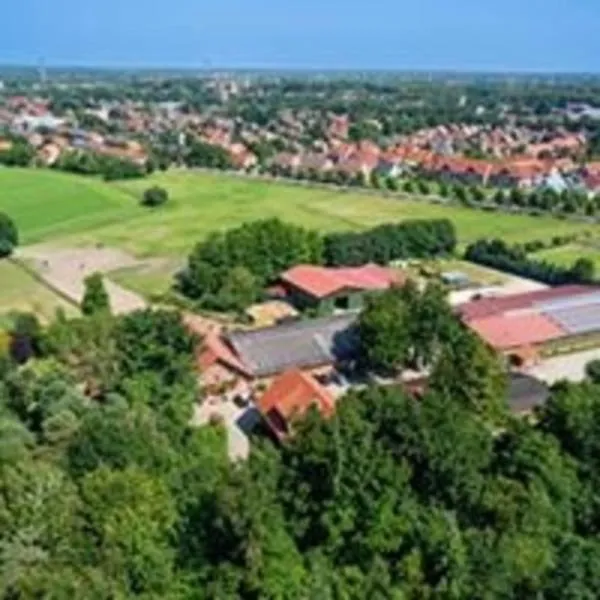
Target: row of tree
109	492
395	241
513	259
111	168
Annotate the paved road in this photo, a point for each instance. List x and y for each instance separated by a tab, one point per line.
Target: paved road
570	367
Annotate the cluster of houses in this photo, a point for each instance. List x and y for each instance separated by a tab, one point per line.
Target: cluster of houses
51	136
508	156
289	366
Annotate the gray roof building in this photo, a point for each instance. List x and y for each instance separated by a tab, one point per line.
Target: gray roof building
302	344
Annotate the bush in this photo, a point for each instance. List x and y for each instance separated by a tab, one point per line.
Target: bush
9	235
592	370
155	196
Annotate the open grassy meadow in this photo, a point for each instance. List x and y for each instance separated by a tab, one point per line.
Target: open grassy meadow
48	205
20	291
53	206
69	210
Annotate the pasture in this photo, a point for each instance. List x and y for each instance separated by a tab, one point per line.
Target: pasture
69	209
73	211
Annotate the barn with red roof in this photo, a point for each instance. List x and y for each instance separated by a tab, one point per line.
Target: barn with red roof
326	289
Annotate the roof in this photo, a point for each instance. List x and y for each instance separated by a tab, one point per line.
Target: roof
512	330
525	393
485	307
321	282
291	395
215	349
303	344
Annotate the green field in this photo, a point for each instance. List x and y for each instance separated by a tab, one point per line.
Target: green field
47	204
20	291
565	256
68	209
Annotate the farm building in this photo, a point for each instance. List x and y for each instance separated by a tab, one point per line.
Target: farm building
527	327
243	357
326	289
289	397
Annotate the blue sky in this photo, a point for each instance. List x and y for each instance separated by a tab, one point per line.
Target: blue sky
547	35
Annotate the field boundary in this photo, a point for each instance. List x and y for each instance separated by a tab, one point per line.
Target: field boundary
20	264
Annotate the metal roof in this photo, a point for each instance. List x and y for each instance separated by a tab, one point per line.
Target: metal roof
303	344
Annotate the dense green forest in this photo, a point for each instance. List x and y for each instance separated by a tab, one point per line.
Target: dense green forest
106	491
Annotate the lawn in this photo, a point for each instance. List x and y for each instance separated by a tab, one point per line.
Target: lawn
565	256
47	204
200	203
20	291
73	210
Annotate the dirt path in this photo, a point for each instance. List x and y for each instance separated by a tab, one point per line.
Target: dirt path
65	270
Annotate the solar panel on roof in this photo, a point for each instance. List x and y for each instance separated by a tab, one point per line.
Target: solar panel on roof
577	319
570	302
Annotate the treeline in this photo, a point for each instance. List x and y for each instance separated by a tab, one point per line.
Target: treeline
386	243
227	271
111	168
109	492
513	259
19	153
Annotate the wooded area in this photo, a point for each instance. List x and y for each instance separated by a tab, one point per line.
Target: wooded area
108	492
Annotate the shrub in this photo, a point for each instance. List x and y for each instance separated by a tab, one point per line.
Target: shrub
155	196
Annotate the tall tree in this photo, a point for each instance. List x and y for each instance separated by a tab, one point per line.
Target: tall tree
95	298
470	373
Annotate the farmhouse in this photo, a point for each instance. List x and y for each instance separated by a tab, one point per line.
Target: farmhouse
329	289
526	327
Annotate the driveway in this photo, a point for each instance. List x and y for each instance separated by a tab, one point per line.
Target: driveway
570	367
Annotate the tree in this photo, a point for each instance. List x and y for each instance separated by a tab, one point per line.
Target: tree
95	298
470	373
155	196
383	332
9	235
583	270
592	371
26	337
240	289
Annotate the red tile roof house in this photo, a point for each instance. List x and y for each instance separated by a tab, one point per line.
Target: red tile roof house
326	289
289	397
525	327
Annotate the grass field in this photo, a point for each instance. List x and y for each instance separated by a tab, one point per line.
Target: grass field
565	256
20	291
47	204
52	206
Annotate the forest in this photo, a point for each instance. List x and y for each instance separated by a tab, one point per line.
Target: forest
107	491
